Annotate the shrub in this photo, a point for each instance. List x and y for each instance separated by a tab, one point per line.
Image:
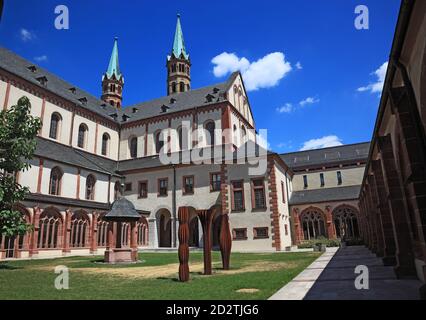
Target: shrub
306	244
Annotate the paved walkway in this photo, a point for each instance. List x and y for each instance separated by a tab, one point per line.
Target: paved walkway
332	277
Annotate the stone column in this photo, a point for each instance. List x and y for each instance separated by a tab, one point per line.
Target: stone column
206	217
404	254
297	226
385	216
377	222
67	232
412	162
331	231
34	234
94	233
134	240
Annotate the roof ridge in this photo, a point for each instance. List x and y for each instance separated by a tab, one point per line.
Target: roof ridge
326	148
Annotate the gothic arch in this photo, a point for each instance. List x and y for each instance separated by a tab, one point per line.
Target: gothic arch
312	222
345	219
164	228
50	229
80	229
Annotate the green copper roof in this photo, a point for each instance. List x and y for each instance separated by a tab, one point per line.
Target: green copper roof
179	43
114	66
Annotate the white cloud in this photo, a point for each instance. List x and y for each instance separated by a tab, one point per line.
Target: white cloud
26	35
263	73
287	108
228	62
377	86
299	66
324	142
309	100
41	58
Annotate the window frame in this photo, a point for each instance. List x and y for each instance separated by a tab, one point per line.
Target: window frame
83	145
91	196
105	144
283	192
253	193
255	233
58	125
212	182
184	192
140	183
339	178
234	234
159	187
305	182
133	148
322	180
59	182
127	188
233	190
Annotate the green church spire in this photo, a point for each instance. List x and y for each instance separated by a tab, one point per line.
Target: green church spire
114	66
179	43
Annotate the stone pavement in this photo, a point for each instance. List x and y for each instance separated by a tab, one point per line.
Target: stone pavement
332	277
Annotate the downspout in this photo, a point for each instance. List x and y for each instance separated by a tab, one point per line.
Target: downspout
174	206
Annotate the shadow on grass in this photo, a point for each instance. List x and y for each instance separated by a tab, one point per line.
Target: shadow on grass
6	266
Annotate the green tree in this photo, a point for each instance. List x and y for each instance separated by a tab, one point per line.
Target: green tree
18	129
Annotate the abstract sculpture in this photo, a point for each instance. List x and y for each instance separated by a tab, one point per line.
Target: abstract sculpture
183	234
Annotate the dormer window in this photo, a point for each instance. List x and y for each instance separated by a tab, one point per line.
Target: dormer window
42	80
114	116
209	97
134	110
83	100
72	90
172	100
215	90
103	105
124	117
164	108
32	68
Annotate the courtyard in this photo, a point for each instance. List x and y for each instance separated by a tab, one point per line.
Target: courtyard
252	276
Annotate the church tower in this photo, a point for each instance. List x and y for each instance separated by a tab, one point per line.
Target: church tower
113	81
178	64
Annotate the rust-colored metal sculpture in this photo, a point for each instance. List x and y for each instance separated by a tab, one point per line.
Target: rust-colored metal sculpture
183	234
225	241
206	217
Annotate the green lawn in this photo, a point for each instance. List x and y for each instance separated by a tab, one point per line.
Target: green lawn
155	278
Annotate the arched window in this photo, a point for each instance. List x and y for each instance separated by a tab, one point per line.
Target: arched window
102	231
313	224
55	181
209	129
90	187
125	234
180	138
55	123
117	190
105	144
182	87
173	87
159	143
79	236
345	222
50	230
243	134
142	226
133	147
82	135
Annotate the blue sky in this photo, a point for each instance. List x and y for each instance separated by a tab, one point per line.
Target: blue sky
336	76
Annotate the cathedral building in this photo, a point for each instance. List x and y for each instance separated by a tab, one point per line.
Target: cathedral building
92	151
